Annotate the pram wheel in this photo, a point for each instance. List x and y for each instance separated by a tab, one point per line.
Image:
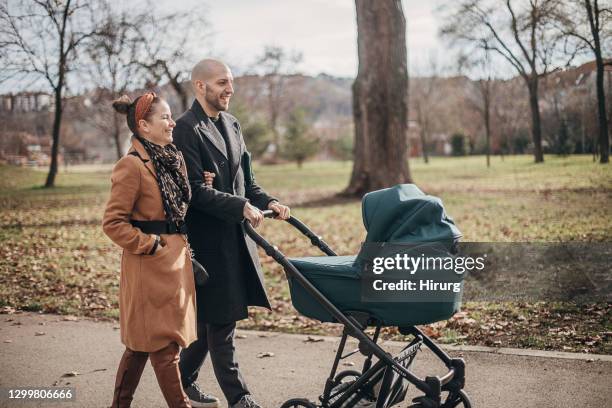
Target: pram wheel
453	400
346	376
297	403
459	399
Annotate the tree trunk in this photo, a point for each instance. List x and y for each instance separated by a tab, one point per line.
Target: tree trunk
536	124
488	133
594	13
117	136
57	122
424	146
604	142
485	88
380	98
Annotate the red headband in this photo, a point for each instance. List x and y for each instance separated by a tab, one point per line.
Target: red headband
143	105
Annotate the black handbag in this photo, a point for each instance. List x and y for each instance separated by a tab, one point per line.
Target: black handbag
200	274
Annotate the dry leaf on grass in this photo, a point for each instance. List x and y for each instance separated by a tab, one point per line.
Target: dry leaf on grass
311	339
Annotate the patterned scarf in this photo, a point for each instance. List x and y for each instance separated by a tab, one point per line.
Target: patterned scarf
174	186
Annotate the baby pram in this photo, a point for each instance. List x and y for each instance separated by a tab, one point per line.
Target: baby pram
328	289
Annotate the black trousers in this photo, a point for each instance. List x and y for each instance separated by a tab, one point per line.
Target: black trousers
219	341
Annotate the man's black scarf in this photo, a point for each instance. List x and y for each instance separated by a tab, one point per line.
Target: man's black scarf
174	186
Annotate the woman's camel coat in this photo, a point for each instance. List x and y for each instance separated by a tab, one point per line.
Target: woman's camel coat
157	294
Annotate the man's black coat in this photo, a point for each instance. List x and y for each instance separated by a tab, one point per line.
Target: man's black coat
214	217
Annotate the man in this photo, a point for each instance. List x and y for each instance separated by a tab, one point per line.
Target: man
211	141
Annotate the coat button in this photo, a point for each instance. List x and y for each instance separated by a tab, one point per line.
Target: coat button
222	164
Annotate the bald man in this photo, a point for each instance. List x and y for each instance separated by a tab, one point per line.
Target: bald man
211	141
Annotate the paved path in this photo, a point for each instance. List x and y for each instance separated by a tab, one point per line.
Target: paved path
297	369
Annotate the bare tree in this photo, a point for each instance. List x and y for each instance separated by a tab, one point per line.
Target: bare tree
423	98
113	66
40	44
521	35
510	115
591	26
482	99
168	42
380	98
275	65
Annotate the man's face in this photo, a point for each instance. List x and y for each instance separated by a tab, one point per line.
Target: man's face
219	90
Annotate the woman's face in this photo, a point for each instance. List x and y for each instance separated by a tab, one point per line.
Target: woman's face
158	127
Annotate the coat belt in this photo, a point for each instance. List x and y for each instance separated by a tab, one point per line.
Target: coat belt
159	227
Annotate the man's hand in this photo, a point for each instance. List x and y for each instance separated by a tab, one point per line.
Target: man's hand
209	178
282	210
253	214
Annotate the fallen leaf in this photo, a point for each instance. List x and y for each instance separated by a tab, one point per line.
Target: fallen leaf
40	333
311	339
266	354
7	310
70	374
241	336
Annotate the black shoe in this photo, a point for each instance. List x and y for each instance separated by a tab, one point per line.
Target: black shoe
199	399
246	402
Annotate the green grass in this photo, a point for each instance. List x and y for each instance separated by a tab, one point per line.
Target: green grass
55	258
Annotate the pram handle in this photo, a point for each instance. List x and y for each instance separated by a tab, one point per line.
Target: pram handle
300	226
429	385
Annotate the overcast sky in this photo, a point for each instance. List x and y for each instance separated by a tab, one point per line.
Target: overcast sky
323	30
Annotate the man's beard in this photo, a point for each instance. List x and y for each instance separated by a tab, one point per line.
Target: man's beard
214	101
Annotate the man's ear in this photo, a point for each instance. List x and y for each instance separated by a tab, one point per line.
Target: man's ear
200	85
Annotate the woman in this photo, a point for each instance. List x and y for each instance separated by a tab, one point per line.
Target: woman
144	215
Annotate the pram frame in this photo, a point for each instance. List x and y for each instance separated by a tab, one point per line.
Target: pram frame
432	386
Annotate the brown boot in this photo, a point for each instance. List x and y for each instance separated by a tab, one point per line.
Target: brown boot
165	365
128	376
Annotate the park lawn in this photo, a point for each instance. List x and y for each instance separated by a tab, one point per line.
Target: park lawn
55	258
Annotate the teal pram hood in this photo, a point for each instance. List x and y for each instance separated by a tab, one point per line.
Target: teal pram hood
404	214
399	214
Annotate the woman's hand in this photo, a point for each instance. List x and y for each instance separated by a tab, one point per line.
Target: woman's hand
209	177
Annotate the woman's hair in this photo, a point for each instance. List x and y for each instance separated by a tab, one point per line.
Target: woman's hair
126	106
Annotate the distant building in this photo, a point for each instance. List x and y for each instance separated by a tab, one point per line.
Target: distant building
26	102
22	148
